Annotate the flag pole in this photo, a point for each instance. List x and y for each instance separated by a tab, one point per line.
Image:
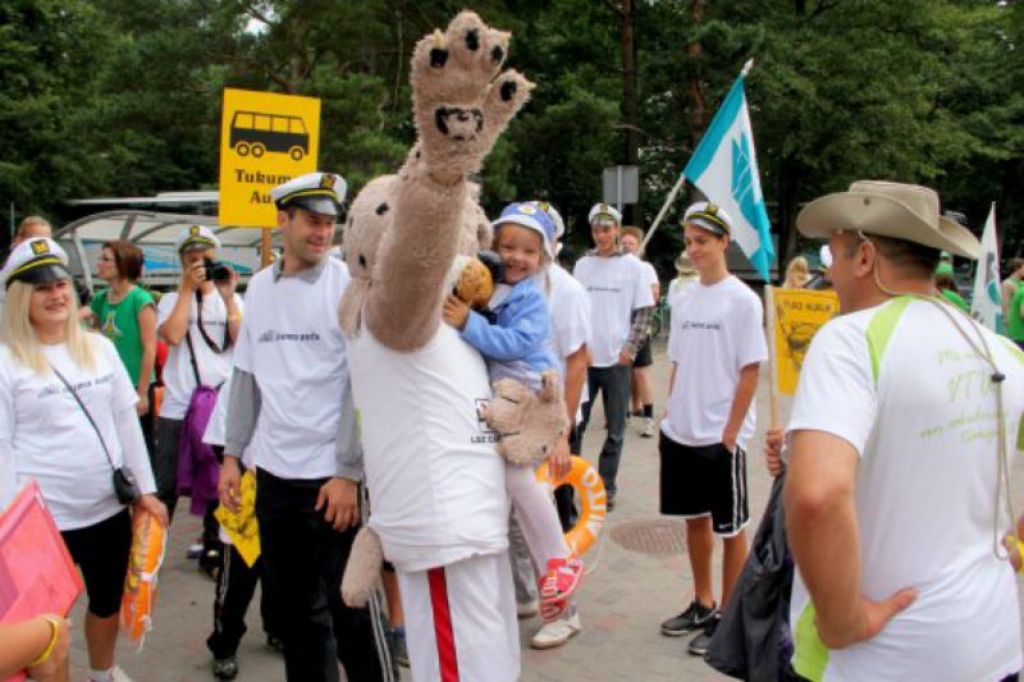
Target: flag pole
661	214
682	178
773	369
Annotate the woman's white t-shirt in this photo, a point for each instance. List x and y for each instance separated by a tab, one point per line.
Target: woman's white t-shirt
44	433
214	368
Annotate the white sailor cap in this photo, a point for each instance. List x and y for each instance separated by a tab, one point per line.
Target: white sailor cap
196	237
708	216
322	193
36	261
532	217
603	214
554	215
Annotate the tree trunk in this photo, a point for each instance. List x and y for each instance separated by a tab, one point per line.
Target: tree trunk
698	113
629	103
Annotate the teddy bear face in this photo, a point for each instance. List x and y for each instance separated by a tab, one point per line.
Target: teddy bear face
369	220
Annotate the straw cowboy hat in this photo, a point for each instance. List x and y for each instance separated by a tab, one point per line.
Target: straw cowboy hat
888	209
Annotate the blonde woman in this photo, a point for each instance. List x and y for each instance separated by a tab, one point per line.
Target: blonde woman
798	274
68	421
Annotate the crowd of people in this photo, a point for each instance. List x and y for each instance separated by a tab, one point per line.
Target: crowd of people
895	457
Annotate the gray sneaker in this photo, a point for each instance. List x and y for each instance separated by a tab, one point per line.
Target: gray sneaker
694	617
699	644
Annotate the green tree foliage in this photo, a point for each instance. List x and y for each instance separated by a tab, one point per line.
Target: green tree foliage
114	97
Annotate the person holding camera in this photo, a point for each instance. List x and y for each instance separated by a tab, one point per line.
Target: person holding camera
68	421
200	323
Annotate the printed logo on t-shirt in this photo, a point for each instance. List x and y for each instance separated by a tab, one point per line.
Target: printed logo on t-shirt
58	387
697	324
604	290
486	434
109	326
271	336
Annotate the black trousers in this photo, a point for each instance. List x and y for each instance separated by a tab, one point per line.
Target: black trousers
164	460
303	561
236	584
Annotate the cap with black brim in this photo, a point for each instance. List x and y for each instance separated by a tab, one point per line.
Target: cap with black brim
324	205
41	271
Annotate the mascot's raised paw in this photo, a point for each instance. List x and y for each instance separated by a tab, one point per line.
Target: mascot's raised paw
528	424
461	100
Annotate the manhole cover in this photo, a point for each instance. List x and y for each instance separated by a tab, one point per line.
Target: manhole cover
656	536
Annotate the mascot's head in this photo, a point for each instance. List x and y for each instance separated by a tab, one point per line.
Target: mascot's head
368	225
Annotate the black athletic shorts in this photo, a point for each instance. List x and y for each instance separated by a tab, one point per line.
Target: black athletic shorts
706	480
101	552
643	355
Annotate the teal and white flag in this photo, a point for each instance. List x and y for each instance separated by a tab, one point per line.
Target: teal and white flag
987	301
724	168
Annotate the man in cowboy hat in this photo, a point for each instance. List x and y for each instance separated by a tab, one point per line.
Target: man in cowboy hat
896	448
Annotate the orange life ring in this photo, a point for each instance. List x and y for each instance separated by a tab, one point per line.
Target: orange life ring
583	477
149	542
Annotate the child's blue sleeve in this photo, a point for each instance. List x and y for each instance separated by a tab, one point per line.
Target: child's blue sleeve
523	327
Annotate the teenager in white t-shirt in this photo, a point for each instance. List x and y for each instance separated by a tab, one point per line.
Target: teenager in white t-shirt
895	462
716	345
200	323
641	391
621	304
291	410
68	421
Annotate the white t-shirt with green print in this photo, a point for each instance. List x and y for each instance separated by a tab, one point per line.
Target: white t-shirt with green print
901	385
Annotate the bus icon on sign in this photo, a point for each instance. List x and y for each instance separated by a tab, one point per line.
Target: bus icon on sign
257	133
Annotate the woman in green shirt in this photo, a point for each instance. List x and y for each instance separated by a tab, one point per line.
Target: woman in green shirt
126	314
946	285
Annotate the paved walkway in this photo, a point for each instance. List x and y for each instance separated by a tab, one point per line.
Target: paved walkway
624	599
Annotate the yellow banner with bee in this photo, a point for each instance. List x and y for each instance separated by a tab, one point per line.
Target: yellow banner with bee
796	316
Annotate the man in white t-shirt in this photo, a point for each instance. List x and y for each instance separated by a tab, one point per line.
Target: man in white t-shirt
897	458
641	390
200	323
716	345
291	411
621	305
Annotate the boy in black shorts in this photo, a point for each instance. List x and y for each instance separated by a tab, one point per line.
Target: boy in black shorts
716	345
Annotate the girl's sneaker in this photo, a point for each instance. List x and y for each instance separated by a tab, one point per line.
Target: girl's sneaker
562	580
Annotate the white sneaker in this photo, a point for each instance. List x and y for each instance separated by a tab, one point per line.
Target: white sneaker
557	632
116	674
528	610
648	430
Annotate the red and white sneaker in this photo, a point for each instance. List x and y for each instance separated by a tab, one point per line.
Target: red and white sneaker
562	580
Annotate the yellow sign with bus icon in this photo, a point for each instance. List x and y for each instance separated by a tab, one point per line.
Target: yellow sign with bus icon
266	140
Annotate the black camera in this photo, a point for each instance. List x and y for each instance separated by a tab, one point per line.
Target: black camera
216	271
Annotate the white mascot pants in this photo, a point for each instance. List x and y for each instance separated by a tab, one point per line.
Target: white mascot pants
460	621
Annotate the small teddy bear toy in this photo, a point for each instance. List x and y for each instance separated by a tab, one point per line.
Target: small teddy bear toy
529	424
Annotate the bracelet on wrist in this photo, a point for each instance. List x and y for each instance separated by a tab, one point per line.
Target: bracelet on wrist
54	622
